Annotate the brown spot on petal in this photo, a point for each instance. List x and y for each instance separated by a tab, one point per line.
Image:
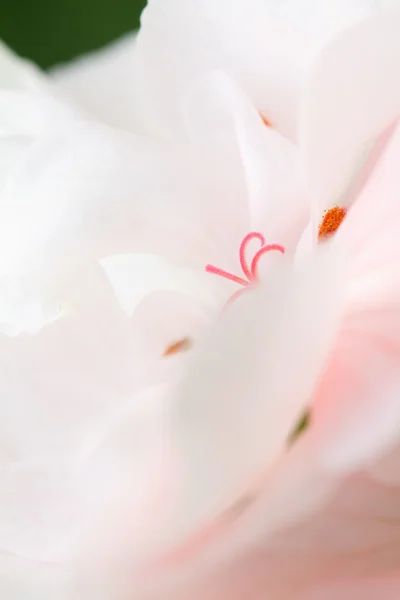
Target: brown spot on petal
331	221
182	345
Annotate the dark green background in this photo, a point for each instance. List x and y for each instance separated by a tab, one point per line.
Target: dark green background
54	31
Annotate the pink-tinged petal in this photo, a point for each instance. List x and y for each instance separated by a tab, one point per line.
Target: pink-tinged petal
356	411
216	109
361	588
267	47
386	469
101	83
236	408
347	545
342	114
230	422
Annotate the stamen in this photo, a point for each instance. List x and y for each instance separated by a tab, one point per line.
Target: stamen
266	121
180	346
331	222
235	296
251	272
260	253
222	273
242	252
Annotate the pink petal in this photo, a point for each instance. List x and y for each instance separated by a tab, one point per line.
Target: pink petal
356	408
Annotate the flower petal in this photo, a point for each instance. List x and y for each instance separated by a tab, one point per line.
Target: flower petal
48	504
55	382
28	107
266	47
21	579
101	83
93	172
216	109
29	103
349	101
348	545
192	214
135	276
237	408
18	74
357	405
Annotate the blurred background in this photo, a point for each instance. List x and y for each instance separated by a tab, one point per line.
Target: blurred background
50	32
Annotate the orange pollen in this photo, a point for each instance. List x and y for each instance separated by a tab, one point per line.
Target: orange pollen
331	221
180	346
266	121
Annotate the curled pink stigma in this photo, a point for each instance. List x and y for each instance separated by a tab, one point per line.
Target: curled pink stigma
250	272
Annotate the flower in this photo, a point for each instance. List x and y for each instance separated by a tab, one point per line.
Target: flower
149	430
78	201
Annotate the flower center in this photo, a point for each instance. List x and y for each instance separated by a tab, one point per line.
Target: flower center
331	221
250	271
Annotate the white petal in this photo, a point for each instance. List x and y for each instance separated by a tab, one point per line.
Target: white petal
101	83
22	579
266	46
32	113
28	110
349	101
134	276
24	118
28	107
193	213
100	178
216	109
48	504
18	74
162	321
55	382
29	104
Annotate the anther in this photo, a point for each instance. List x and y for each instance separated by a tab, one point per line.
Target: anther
331	222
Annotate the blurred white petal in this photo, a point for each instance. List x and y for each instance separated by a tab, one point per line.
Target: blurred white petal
101	83
350	99
267	47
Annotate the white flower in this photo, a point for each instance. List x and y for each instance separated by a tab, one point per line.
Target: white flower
163	467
